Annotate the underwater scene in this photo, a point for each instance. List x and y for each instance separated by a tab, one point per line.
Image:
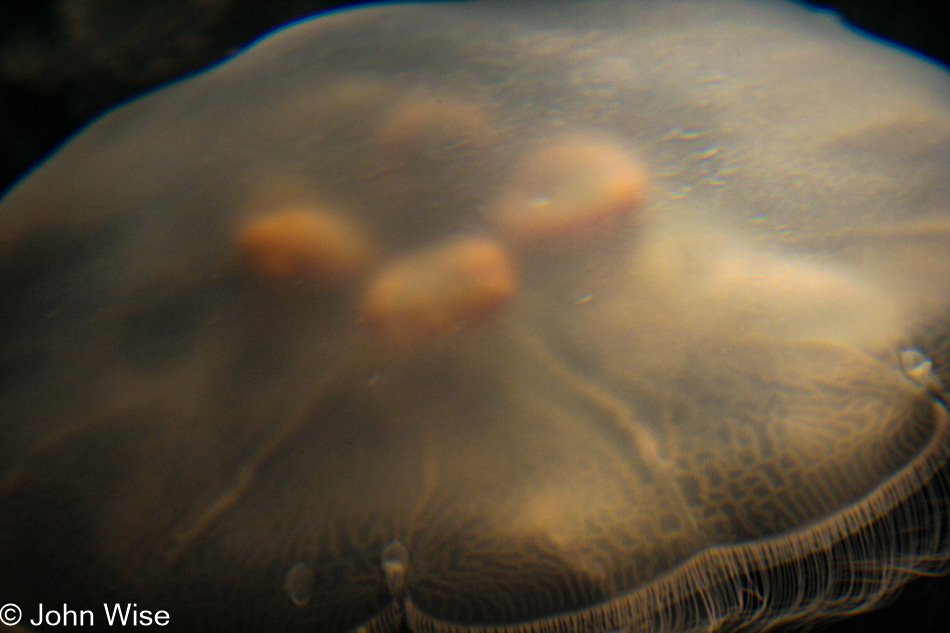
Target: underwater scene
524	317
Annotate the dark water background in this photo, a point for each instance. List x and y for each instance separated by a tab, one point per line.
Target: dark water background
63	62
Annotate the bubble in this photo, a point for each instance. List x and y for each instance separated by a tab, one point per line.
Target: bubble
395	561
299	583
920	369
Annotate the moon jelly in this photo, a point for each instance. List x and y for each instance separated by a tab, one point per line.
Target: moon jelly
536	317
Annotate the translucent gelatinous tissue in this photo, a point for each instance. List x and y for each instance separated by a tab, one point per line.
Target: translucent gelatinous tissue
537	316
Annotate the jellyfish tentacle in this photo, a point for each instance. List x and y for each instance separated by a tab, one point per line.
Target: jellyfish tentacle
623	421
16	473
246	476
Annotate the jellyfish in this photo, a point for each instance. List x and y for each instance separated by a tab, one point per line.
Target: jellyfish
575	316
